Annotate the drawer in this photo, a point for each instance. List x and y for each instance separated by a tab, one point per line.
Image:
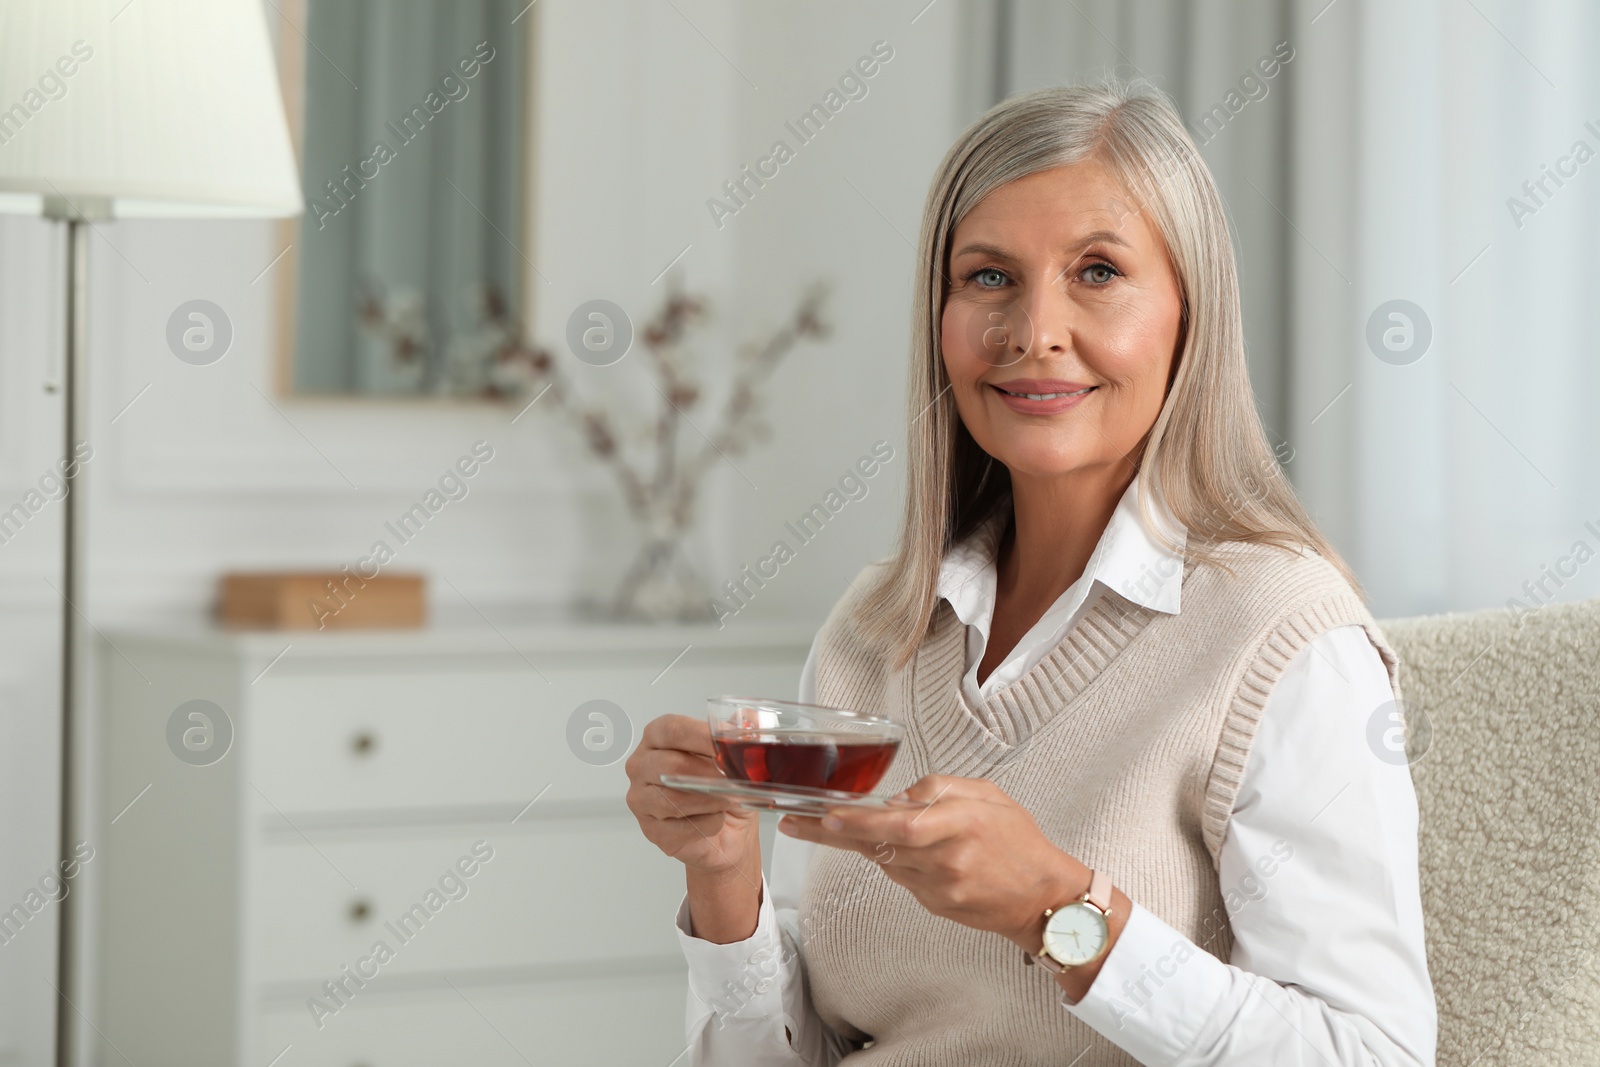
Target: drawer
616	1021
569	891
408	739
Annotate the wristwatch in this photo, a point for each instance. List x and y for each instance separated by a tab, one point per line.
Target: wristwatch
1077	933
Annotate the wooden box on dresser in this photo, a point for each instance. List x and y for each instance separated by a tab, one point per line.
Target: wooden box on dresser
419	791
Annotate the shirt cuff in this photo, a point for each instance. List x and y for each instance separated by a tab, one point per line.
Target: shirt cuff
1154	992
738	980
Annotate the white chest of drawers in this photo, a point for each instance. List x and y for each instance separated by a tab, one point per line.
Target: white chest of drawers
415	791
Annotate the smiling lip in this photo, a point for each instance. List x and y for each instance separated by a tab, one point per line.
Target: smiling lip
1053	395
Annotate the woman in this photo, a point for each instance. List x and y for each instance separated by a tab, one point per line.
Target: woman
1136	680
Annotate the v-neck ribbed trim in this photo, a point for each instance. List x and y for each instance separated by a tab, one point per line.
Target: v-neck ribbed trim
1127	558
965	740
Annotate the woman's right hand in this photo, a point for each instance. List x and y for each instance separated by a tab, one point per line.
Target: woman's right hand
711	836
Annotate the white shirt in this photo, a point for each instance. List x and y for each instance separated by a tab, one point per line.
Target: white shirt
1328	963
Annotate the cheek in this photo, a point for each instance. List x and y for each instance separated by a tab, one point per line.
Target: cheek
963	365
1136	351
960	362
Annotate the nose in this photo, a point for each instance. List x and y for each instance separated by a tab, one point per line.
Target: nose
1038	323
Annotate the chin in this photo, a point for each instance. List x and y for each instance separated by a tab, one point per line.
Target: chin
1043	462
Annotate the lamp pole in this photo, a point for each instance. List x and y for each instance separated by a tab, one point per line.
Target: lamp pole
167	76
78	216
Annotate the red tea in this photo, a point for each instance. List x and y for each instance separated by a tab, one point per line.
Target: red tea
817	760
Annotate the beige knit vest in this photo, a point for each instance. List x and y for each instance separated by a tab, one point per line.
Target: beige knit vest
1126	743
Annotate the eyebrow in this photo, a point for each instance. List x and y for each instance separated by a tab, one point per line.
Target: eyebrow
1107	236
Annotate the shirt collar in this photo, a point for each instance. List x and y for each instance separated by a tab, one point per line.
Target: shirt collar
1127	559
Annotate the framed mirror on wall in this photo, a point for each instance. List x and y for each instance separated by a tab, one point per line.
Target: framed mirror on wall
407	273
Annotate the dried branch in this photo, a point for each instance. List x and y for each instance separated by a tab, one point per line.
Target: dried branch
666	498
741	424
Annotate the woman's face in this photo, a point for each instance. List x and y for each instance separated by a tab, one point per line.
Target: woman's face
1061	322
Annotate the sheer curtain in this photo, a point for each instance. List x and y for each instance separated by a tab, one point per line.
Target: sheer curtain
1462	479
1417	317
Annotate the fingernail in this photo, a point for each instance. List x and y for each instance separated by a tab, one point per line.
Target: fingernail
785	826
832	822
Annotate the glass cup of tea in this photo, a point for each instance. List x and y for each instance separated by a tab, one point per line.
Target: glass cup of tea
782	743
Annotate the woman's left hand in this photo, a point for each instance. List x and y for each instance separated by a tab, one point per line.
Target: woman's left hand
974	855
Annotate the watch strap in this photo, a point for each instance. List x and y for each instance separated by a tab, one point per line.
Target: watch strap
1099	895
1045	960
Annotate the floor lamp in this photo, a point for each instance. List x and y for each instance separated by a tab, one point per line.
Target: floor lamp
127	109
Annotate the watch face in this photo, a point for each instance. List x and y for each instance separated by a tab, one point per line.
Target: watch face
1075	934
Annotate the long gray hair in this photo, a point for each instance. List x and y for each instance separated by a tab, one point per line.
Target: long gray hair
1206	459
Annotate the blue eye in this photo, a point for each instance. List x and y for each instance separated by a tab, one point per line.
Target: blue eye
995	277
1101	278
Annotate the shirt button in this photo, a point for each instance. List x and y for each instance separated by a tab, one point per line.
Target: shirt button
763	985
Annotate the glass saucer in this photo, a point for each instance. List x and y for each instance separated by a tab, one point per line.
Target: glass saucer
791	799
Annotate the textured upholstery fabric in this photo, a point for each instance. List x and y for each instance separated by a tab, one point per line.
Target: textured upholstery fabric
1508	791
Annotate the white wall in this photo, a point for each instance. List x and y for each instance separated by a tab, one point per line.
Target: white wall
641	117
847	208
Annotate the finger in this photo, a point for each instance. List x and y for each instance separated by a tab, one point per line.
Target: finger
933	788
907	827
660	802
657	801
648	762
682	732
920	882
654	763
646	767
805	828
809	829
706	824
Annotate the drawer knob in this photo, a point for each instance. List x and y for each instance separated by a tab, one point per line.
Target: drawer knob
363	743
360	910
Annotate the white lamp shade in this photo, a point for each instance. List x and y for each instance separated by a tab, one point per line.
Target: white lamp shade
159	107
